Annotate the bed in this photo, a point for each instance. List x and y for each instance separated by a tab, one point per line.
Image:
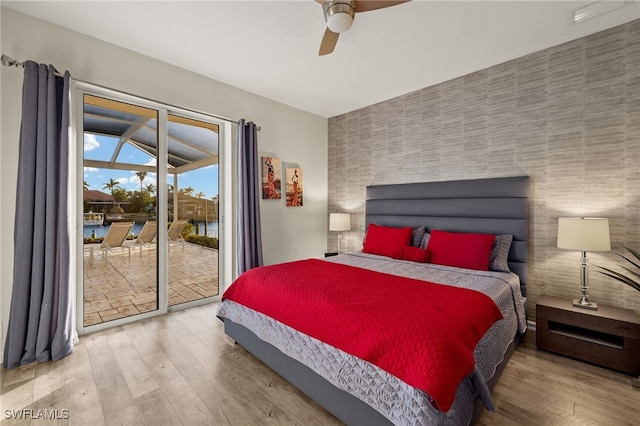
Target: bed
352	387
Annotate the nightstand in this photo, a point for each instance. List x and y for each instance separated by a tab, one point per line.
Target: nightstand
329	254
608	337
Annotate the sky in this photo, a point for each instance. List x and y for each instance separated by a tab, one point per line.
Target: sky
101	148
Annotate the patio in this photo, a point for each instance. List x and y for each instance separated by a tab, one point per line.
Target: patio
124	287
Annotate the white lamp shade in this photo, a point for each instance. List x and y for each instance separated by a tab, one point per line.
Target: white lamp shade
339	222
584	234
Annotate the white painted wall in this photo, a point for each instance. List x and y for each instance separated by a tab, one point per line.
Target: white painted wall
296	137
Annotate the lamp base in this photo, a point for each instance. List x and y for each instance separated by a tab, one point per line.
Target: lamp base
589	305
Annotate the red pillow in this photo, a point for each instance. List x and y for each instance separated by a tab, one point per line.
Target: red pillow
386	241
471	251
415	254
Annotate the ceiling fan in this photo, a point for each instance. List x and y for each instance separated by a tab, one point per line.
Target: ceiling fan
339	15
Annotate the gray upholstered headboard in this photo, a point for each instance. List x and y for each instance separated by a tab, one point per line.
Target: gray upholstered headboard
495	206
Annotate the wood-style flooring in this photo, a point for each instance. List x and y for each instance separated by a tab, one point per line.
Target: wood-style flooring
180	369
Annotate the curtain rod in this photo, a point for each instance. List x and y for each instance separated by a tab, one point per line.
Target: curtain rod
8	61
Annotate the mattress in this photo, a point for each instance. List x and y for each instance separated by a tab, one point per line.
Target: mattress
390	396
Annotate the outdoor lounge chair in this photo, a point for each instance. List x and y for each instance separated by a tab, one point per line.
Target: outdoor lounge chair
147	235
174	234
115	239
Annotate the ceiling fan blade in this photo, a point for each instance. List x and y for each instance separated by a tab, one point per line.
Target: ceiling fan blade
329	41
367	5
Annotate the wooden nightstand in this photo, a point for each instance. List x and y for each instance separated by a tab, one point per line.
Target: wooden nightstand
608	337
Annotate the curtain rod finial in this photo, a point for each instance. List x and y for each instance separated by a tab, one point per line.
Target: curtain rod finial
8	61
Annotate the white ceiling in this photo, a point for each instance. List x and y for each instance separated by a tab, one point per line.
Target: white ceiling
271	47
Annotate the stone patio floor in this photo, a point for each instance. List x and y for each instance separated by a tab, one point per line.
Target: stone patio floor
123	287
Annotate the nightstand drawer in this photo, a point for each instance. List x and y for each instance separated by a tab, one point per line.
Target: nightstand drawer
609	337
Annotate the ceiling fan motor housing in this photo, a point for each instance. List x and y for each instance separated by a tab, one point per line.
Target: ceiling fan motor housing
339	15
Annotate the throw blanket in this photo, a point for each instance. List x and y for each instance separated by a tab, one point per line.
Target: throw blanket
421	332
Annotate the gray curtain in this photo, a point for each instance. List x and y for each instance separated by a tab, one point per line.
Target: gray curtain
40	320
249	234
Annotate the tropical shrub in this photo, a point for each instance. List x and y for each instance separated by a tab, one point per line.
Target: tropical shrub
202	240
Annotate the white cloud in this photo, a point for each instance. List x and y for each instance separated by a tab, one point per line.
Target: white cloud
90	142
122	180
148	180
90	169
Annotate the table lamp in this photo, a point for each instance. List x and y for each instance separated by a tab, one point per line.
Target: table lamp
584	234
339	222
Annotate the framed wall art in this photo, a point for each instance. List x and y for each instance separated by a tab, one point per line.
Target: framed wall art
271	178
294	187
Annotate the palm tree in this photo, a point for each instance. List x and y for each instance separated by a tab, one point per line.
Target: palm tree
200	194
85	185
151	188
141	176
111	185
188	190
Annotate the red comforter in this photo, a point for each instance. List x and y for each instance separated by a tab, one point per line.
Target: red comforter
421	332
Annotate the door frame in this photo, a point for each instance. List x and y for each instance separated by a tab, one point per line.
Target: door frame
225	200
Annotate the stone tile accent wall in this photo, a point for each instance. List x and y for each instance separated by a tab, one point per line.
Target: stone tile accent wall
568	116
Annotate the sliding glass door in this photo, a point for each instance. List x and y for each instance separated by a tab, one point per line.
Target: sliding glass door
119	195
150	202
192	208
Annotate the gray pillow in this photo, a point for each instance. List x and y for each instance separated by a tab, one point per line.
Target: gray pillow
498	261
416	236
425	240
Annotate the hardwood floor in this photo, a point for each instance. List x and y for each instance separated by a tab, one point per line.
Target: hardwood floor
181	369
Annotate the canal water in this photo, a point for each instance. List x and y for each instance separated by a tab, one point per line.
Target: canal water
101	230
